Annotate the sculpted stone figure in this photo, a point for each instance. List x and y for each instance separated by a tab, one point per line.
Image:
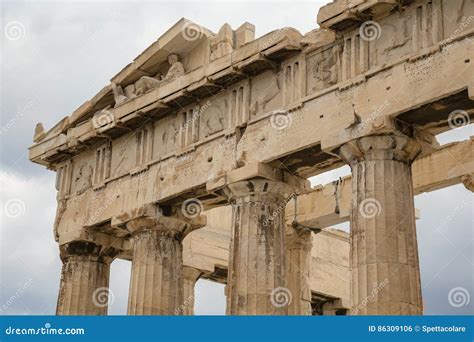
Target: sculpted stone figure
39	132
146	83
119	95
129	91
176	70
223	43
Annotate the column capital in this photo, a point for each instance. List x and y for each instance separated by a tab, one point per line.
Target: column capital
87	249
171	222
259	189
191	273
258	171
298	238
381	147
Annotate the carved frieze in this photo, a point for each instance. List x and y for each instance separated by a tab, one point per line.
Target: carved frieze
461	15
323	69
265	93
83	178
213	117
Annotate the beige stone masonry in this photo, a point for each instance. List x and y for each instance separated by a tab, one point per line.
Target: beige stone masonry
257	269
227	119
84	287
190	277
384	252
298	259
329	204
156	282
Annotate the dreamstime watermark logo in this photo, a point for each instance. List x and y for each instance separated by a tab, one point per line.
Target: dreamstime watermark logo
103	119
16	295
370	30
459	297
102	297
458	118
192	208
370	297
273	38
192	32
196	115
100	29
466	21
21	112
370	208
280	209
188	302
371	120
46	330
444	222
280	119
281	297
14	30
109	201
14	208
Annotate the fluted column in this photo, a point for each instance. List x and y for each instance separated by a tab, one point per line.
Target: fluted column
298	258
190	277
84	287
385	275
256	283
157	276
156	282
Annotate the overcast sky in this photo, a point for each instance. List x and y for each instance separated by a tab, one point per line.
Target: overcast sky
55	56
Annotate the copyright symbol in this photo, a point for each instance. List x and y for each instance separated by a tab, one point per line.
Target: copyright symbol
417	328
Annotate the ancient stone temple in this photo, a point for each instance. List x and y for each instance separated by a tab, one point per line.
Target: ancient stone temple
194	162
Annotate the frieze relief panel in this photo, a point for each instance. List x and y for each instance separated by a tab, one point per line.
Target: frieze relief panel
166	135
123	156
395	38
82	174
265	93
416	28
323	68
213	117
459	16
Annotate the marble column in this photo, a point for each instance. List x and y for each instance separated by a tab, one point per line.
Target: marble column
190	277
256	283
84	287
385	275
298	258
156	282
